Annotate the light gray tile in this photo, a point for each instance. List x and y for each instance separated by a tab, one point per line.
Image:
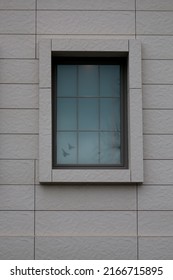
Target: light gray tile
17	46
82	38
14	197
18	96
85	197
136	136
36	172
158	121
94	45
158	171
157	96
86	5
88	22
154	23
16	248
90	176
155	197
45	57
156	47
19	121
158	146
135	79
18	71
86	248
159	248
154	5
16	223
85	223
17	22
18	146
157	71
17	172
17	4
77	37
45	135
155	223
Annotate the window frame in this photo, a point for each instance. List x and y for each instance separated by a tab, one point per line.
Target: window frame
92	60
133	173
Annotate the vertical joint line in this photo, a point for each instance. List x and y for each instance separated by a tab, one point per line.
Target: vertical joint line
135	19
34	201
137	231
35	28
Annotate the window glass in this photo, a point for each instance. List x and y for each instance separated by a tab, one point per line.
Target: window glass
66	80
89	106
110	80
88	114
110	146
67	148
66	114
88	148
110	113
88	79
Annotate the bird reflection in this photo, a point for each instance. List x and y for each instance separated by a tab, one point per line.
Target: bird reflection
65	153
70	147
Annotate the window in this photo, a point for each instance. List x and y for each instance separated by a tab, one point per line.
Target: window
90	111
89	97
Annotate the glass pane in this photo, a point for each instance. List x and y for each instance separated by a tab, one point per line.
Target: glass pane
66	114
88	80
110	80
88	148
110	148
67	80
110	114
67	148
88	117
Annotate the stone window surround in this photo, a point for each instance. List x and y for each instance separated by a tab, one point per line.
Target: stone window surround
134	172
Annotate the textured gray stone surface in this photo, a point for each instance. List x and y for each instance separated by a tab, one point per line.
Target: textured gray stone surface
85	223
156	248
116	197
17	172
154	23
151	197
16	223
86	22
17	22
154	5
86	248
86	5
16	248
107	209
16	197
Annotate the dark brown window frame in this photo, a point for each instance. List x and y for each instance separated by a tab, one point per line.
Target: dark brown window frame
92	59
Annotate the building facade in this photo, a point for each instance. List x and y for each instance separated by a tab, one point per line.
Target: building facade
78	218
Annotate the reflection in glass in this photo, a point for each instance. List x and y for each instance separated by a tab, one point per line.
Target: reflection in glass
109	113
88	116
88	148
110	148
110	80
67	148
66	114
66	80
88	78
